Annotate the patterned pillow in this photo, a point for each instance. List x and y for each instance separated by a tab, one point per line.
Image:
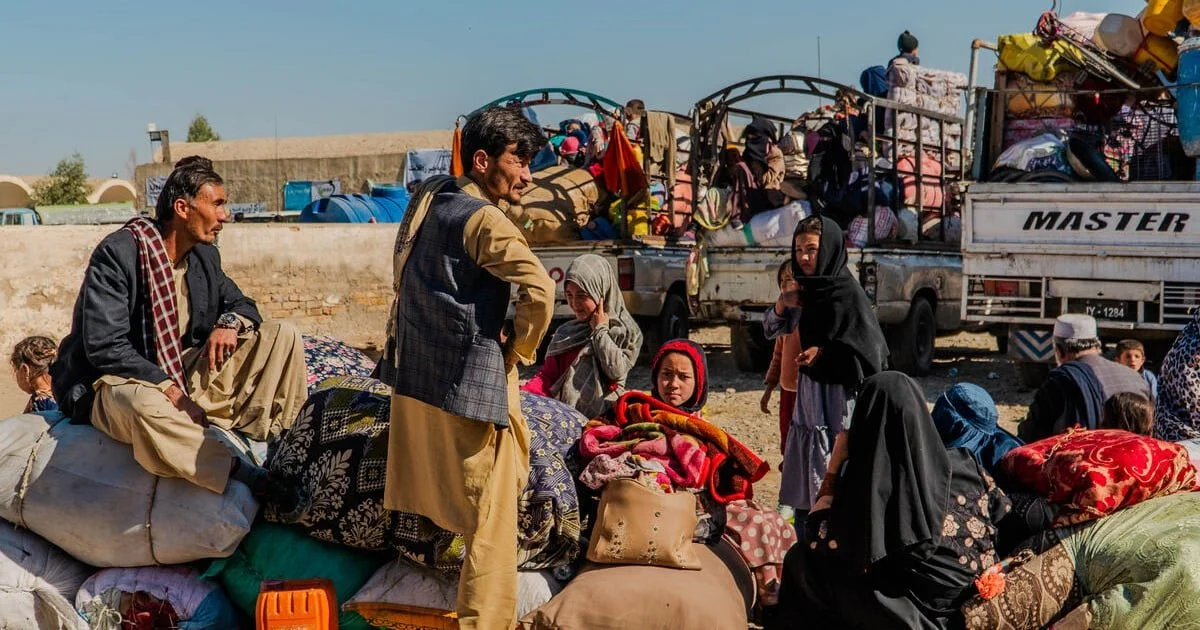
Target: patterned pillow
1095	473
326	357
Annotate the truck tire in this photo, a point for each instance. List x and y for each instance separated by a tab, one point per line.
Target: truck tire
751	349
1031	375
1001	342
673	322
911	343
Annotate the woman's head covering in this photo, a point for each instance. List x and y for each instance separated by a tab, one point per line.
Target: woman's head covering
1177	410
694	352
837	316
586	385
760	135
907	43
895	488
966	417
570	146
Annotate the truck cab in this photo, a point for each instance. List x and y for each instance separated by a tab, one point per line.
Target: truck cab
19	216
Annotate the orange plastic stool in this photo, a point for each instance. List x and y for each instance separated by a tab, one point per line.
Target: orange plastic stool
296	605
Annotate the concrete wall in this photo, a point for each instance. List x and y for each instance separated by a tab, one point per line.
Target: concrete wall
333	280
261	181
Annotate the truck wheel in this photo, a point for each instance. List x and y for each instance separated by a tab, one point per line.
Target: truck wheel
1031	374
1001	342
674	322
751	349
911	343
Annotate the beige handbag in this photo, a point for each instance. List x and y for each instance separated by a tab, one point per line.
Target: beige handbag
638	525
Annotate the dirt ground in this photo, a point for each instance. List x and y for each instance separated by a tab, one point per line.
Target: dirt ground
734	396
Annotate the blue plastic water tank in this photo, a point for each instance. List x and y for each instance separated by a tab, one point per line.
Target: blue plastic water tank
353	209
395	192
1188	96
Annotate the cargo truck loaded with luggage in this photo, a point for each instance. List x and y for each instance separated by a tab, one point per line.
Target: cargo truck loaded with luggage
605	184
1087	201
885	167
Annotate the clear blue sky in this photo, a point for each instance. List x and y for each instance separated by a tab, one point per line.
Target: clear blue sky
87	76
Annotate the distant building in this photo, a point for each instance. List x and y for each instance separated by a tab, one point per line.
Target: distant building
257	169
16	191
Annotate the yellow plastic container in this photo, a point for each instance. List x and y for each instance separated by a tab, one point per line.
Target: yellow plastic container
1162	16
1161	51
296	605
1191	11
1025	53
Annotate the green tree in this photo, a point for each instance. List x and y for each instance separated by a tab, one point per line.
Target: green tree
201	131
66	185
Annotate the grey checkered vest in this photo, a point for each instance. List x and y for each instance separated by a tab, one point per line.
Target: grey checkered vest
448	319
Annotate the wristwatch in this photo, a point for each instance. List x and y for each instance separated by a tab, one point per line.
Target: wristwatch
230	321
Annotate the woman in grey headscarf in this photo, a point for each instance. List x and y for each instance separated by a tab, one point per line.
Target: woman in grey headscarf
590	356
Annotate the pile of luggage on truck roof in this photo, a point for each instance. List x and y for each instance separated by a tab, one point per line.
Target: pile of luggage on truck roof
1093	97
600	176
893	152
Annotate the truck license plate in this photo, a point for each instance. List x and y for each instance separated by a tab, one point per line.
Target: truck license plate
1112	310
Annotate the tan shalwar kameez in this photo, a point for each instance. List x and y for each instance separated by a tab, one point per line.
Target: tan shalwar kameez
466	475
257	392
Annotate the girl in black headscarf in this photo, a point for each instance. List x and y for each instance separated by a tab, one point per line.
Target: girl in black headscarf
842	345
905	528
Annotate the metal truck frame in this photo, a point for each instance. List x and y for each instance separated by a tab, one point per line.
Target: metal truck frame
915	288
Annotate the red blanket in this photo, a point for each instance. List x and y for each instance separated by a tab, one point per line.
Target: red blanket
727	467
1094	473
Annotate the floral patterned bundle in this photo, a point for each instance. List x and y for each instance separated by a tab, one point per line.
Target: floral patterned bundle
338	448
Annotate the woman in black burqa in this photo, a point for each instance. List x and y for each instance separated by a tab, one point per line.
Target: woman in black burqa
907	527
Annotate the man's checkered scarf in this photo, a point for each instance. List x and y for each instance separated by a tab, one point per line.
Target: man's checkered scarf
160	325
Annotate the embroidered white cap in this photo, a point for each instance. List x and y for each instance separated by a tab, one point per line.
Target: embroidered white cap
1075	326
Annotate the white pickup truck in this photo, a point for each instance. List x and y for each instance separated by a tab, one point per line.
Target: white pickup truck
1126	253
914	285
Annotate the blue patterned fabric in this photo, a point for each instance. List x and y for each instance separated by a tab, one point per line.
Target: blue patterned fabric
326	357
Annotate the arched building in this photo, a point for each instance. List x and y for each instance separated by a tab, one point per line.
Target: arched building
16	191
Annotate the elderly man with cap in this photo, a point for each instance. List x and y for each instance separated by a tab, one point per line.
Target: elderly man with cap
1076	390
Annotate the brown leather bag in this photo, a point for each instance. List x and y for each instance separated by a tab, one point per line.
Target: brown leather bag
638	525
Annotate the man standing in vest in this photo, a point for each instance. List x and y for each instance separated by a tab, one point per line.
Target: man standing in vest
459	448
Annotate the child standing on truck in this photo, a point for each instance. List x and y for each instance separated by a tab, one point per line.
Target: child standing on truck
1132	354
842	345
783	373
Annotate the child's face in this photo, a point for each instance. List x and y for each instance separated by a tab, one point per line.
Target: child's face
808	247
787	282
676	379
1133	358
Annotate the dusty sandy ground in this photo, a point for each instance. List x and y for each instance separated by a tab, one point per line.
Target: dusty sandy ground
734	395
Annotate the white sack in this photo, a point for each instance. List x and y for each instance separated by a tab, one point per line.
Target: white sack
83	491
37	583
